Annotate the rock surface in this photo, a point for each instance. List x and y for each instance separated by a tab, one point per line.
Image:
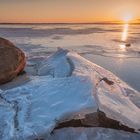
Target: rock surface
12	61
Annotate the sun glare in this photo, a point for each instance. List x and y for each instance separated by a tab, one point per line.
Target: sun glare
127	18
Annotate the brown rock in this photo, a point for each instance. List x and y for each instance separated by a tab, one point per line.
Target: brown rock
12	61
127	44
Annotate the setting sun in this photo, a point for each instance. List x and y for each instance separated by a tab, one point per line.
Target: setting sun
128	18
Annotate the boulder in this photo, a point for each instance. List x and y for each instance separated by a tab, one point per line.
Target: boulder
12	61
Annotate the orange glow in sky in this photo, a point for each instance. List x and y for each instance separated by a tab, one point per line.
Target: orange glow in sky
68	10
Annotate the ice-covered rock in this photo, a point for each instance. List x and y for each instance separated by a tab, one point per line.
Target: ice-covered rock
95	133
68	87
42	103
56	65
114	97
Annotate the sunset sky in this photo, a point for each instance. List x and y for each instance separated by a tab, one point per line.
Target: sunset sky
44	11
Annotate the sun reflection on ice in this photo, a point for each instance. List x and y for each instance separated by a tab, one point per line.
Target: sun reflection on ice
124	37
125	32
122	47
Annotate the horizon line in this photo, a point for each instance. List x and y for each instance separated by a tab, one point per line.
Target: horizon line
104	22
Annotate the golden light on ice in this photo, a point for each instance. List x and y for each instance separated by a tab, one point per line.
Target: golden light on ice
125	32
122	47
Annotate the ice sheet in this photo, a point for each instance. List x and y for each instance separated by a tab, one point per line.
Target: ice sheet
69	88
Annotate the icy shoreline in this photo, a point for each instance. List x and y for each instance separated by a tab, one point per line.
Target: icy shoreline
67	87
